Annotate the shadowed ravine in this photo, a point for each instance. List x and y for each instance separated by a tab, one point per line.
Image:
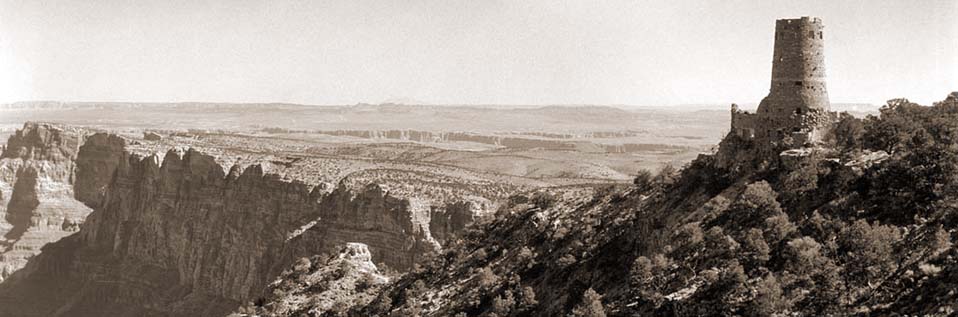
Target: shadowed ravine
22	203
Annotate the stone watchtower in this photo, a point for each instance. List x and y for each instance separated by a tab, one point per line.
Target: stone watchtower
796	111
798	68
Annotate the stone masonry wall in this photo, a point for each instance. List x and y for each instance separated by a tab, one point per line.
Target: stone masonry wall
796	110
798	68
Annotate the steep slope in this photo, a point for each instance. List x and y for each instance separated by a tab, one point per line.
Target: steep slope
36	192
190	233
861	226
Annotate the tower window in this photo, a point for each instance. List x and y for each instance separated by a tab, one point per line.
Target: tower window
798	110
819	35
798	83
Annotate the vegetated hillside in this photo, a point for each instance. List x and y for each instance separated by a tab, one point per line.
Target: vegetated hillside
863	225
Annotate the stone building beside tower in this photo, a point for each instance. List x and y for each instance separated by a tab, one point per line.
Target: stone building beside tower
796	111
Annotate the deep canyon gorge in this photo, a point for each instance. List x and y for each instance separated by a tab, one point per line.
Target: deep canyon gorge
179	231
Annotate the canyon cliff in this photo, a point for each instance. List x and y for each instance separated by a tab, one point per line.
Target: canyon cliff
36	192
191	233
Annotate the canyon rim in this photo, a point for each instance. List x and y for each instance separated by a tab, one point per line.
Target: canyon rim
570	159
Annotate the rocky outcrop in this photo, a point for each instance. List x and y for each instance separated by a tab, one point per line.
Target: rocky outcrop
182	234
318	285
36	192
446	223
41	141
97	162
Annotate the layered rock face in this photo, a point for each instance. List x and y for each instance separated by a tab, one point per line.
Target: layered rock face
36	192
184	234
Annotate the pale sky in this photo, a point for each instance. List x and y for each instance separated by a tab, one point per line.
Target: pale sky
463	52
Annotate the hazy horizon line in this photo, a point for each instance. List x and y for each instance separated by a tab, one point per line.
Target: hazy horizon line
698	104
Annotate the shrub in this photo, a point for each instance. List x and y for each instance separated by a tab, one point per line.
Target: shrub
591	305
768	298
518	199
756	203
667	175
525	256
487	279
688	234
528	299
566	260
868	250
366	281
502	304
417	289
940	241
847	133
302	265
641	271
543	200
755	247
778	228
643	180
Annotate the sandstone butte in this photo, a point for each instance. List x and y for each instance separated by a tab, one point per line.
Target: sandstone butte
189	231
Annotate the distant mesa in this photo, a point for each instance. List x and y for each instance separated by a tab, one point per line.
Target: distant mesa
152	136
405	101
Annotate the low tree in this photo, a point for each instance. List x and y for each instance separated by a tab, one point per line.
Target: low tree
526	257
667	175
591	305
487	279
867	251
411	309
778	228
804	256
643	180
715	207
755	248
528	299
757	202
899	119
543	200
733	277
566	260
302	265
815	277
718	246
846	135
502	304
417	289
940	241
641	271
689	234
768	298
